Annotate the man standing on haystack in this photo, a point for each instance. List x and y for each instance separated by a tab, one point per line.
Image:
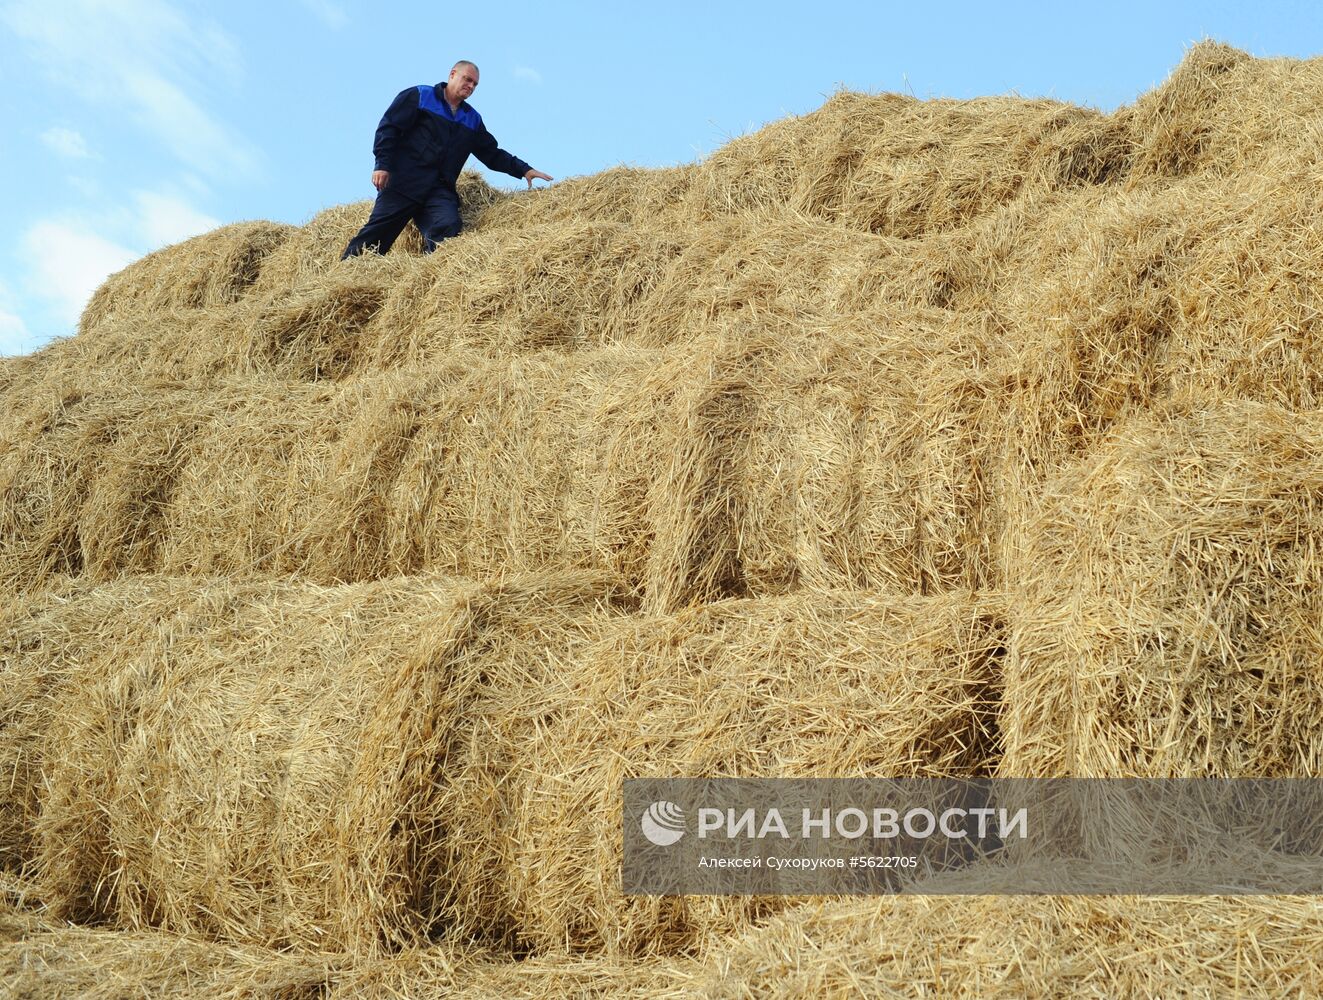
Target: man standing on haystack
422	142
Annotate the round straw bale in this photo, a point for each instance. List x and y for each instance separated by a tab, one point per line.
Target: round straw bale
538	462
1223	113
214	270
246	484
765	264
261	763
40	641
315	248
825	685
1169	294
473	467
874	457
781	163
895	166
199	347
1096	309
314	330
1249	291
942	164
445	971
1167	603
637	197
564	285
86	479
1007	946
1176	291
75	963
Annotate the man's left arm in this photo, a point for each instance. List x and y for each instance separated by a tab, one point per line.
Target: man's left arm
496	158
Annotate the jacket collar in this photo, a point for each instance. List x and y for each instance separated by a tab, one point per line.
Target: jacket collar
440	89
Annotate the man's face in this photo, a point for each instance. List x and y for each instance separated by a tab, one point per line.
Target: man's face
463	82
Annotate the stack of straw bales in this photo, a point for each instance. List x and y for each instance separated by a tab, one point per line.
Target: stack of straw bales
345	767
900	438
745	463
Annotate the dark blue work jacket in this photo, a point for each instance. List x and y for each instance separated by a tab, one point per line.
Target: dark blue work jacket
422	143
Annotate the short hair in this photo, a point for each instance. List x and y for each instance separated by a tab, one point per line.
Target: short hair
465	62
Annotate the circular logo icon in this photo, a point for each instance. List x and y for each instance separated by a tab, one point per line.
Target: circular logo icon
663	823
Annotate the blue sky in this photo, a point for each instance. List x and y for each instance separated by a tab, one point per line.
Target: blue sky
131	124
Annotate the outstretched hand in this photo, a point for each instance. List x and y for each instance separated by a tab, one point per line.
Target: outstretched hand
537	175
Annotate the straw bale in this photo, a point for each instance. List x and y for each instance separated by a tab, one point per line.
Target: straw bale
896	166
1223	113
1177	290
261	763
210	271
315	329
41	960
473	468
1171	294
875	455
805	686
315	248
246	484
943	164
51	962
540	462
146	350
781	162
446	971
85	479
741	266
1249	294
41	641
566	285
1167	609
634	196
1006	946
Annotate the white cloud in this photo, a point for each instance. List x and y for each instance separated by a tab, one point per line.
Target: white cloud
196	184
88	187
185	127
163	219
14	335
332	14
67	262
528	73
146	58
66	142
69	256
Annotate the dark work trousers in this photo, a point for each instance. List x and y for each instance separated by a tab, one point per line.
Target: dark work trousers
437	218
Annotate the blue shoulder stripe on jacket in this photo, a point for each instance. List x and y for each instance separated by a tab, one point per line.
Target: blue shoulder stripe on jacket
428	101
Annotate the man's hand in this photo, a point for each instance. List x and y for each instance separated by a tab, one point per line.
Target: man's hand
380	178
538	175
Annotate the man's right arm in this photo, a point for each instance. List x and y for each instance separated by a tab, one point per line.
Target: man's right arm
402	113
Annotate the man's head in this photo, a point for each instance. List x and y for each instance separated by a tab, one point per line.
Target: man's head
463	80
